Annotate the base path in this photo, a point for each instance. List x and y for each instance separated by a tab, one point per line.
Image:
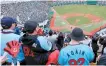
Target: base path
93	19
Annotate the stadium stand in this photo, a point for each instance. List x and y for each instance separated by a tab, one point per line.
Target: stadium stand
24	11
80	2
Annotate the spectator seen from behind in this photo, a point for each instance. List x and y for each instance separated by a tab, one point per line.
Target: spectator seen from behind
60	41
76	53
52	38
102	57
38	46
7	35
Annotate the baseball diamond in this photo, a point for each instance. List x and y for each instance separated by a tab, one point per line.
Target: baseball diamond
87	17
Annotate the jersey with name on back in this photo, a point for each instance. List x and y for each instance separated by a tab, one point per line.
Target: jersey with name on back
76	55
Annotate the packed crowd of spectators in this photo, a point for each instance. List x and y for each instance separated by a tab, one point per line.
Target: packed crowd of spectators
23	11
69	2
102	3
80	2
31	45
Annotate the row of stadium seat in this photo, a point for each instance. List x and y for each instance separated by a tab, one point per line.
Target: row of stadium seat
59	3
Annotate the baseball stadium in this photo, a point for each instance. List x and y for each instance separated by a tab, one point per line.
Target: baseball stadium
53	32
88	15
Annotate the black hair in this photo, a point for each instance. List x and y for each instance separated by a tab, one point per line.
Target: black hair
50	33
55	32
102	41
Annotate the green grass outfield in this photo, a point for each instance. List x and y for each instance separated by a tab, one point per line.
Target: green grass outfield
79	20
96	10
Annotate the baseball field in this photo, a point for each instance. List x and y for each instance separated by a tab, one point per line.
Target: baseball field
87	17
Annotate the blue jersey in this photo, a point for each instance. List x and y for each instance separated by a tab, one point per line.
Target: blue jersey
76	55
7	37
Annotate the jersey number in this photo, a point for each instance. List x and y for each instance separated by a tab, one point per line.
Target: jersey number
80	61
28	52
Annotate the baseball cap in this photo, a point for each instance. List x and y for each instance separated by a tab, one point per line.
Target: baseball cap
30	26
7	21
77	34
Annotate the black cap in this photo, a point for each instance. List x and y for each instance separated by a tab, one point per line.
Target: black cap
7	21
30	26
77	34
